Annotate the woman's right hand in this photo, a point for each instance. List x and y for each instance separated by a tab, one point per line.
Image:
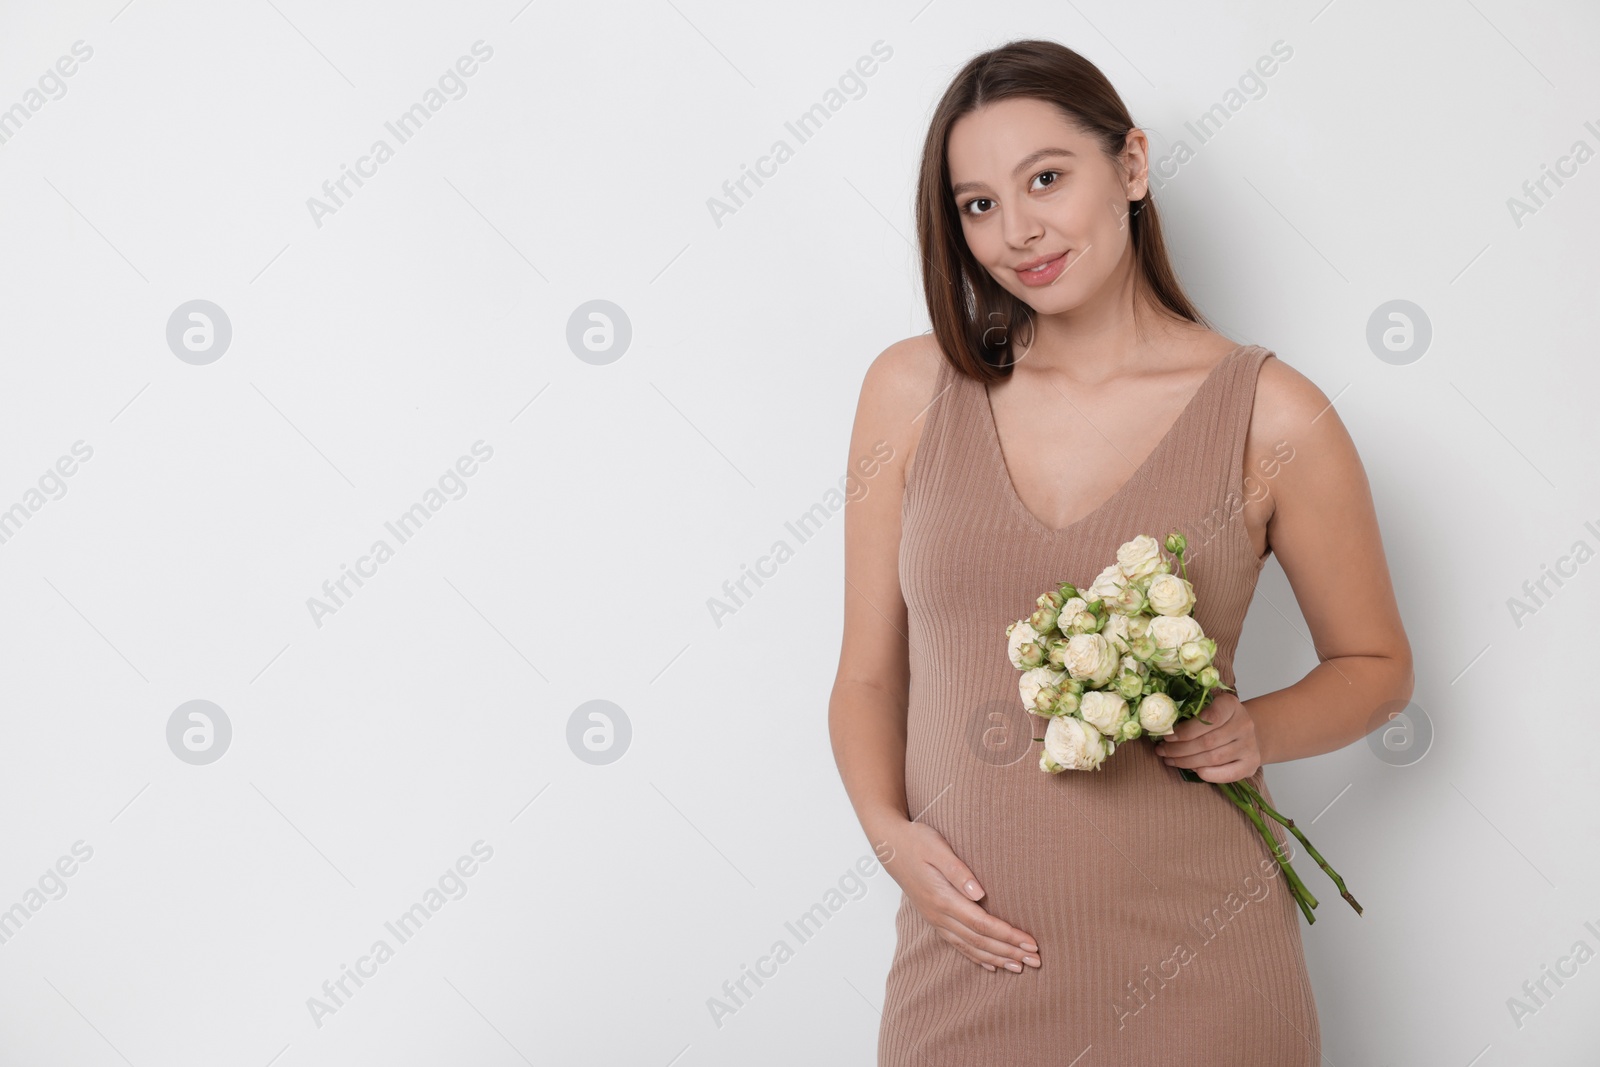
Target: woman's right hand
945	891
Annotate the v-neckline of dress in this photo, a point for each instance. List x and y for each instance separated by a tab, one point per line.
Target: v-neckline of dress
998	450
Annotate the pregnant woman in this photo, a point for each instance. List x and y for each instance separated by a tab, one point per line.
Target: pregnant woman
1069	399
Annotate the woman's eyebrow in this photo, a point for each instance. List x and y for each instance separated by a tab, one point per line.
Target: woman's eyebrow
1027	162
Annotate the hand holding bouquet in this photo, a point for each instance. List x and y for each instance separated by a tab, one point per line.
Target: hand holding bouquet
1126	658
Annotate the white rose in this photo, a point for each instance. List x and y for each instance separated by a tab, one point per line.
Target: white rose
1018	634
1195	656
1108	584
1031	681
1072	745
1069	611
1170	595
1090	658
1116	630
1130	600
1170	631
1140	557
1157	713
1103	710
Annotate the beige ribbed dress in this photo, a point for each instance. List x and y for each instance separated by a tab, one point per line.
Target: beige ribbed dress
1166	932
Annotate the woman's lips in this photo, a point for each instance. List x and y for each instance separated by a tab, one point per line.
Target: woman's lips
1046	273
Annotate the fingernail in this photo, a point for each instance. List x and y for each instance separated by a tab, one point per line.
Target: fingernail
990	966
1031	961
1029	946
973	890
1013	965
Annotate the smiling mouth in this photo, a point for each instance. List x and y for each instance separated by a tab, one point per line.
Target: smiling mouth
1040	268
1046	273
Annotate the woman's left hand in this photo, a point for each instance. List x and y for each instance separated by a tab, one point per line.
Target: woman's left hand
1225	751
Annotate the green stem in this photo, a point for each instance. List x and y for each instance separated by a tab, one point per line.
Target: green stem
1255	798
1273	841
1302	895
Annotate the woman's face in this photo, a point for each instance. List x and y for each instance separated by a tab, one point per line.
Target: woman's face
1030	188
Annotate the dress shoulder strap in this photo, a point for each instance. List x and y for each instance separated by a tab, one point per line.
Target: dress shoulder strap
1235	406
938	422
1217	465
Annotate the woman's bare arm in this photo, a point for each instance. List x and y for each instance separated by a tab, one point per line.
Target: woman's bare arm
1324	531
867	710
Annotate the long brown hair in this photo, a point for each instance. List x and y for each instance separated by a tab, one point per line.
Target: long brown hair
975	321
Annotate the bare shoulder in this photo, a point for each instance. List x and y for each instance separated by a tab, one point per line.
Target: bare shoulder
1290	406
1297	447
905	372
895	394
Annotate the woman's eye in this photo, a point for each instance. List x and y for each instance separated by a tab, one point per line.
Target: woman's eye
980	205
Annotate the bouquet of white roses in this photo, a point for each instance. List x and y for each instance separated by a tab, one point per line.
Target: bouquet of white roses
1126	658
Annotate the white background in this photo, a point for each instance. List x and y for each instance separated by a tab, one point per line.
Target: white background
430	311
